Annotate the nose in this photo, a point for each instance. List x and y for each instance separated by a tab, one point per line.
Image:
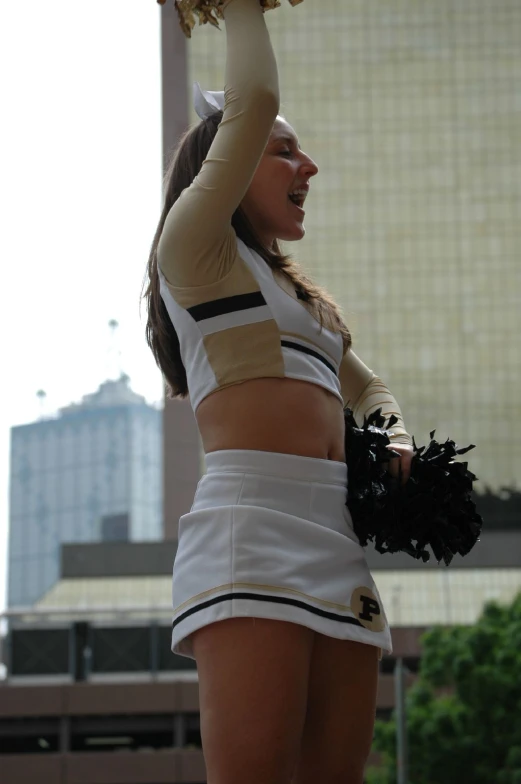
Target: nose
310	166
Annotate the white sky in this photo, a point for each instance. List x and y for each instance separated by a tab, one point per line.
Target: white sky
80	193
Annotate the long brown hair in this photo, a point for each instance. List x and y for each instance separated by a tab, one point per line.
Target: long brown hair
185	164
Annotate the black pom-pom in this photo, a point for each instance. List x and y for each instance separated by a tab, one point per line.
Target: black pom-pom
433	508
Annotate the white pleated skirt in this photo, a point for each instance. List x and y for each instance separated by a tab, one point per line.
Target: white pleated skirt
269	535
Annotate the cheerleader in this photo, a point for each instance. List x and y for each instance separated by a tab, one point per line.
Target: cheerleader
271	590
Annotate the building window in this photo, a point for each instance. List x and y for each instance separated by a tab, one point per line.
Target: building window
114	528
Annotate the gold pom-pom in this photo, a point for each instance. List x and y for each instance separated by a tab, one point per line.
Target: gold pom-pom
210	11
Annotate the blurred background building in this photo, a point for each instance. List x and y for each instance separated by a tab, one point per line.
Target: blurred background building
92	473
413	115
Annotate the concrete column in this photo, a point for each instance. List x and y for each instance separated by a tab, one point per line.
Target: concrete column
179	731
181	443
65	734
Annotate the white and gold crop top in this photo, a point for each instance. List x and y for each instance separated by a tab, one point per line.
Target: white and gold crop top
237	320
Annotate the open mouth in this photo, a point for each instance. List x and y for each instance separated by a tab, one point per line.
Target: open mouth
298	201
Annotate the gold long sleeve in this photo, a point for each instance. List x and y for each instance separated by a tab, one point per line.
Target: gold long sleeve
364	392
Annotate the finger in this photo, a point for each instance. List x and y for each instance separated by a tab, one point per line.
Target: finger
399	470
394	468
406	473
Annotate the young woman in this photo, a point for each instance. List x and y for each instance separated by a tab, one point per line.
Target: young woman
272	594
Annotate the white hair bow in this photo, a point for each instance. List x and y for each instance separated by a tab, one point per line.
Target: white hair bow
207	102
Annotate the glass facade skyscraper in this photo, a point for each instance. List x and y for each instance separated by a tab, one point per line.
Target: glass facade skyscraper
412	112
93	473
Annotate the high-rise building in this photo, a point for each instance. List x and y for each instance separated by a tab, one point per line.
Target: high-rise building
92	473
413	222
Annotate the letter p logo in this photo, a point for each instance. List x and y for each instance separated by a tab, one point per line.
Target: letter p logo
366	608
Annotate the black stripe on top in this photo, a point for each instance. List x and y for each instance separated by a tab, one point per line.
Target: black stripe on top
261	598
218	307
306	350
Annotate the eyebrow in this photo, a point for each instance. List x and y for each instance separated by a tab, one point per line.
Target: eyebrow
286	138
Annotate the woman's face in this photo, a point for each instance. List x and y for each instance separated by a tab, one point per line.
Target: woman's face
282	169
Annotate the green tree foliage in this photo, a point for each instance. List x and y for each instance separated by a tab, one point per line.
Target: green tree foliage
464	711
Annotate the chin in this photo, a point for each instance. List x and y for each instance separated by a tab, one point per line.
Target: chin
293	235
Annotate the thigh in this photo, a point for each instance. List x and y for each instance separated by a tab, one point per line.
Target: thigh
338	731
253	683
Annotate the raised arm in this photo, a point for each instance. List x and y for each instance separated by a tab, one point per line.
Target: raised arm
197	245
363	391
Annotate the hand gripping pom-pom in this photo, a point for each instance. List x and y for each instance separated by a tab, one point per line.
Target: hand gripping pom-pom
433	508
209	11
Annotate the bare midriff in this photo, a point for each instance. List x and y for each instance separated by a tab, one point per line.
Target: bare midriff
274	415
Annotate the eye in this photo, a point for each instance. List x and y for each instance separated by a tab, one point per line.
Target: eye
285	152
